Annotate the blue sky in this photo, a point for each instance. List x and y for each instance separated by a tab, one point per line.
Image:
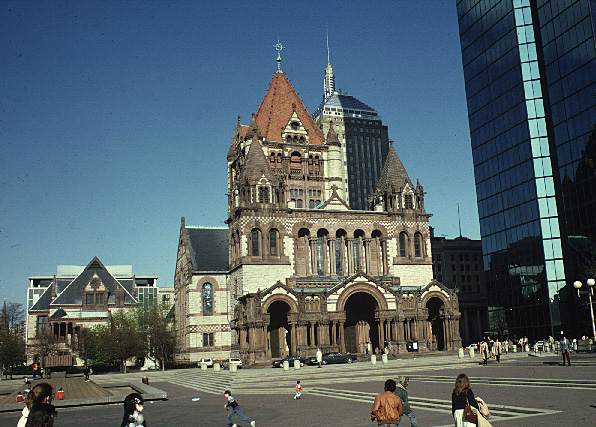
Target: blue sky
116	117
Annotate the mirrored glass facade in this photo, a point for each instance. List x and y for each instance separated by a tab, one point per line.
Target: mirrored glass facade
530	86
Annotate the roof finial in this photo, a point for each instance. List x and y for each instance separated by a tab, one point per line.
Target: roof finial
278	47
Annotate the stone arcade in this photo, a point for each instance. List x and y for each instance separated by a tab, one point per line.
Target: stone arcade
304	270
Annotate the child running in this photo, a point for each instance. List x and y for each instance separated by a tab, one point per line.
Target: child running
298	394
234	410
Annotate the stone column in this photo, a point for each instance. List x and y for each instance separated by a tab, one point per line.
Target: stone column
381	333
349	257
367	260
362	254
332	261
293	338
312	243
312	334
342	254
342	341
308	262
325	251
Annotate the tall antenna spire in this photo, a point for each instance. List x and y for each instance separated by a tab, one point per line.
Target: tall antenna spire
278	48
329	78
328	54
458	220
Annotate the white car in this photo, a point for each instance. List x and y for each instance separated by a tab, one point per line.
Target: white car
206	360
235	361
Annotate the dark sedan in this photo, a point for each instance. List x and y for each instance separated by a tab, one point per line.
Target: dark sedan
333	358
279	363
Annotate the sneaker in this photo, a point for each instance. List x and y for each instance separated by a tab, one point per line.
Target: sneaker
234	425
253	424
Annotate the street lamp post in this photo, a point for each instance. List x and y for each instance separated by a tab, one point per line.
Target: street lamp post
590	284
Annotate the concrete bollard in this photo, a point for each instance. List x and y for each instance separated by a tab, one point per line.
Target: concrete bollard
296	364
216	367
471	352
233	367
203	366
527	348
384	359
460	353
286	365
373	359
515	348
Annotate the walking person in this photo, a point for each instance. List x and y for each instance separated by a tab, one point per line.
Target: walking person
387	408
564	346
319	357
462	399
298	389
402	392
235	410
484	352
497	347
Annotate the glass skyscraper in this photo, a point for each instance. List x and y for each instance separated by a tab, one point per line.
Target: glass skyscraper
530	74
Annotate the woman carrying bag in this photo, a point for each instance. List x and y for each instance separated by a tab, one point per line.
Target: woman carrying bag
462	402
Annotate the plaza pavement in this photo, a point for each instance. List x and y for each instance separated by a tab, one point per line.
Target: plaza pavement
521	391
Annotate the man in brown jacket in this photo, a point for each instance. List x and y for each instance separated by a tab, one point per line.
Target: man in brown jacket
387	408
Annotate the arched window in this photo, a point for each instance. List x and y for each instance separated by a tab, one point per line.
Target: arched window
255	242
408	203
321	246
418	245
403	242
207	297
357	245
273	233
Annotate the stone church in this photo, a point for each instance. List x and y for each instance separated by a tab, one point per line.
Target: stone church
296	269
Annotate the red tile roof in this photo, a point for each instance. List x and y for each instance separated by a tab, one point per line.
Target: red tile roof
277	107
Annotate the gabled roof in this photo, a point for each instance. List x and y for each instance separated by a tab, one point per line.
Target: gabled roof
276	108
332	137
394	175
256	164
73	293
208	248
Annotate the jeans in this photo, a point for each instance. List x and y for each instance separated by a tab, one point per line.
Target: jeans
236	412
565	354
412	417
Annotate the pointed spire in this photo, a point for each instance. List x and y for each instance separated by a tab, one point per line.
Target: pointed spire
332	138
253	130
256	164
329	79
394	175
278	105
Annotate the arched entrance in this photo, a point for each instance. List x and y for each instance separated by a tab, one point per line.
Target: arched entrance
436	311
361	326
278	329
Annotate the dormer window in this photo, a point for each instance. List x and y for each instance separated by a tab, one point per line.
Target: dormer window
408	202
294	125
263	194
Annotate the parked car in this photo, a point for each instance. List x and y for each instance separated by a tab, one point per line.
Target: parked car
235	361
473	345
333	358
207	360
280	362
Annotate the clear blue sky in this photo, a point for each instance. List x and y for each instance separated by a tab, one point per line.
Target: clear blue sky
116	117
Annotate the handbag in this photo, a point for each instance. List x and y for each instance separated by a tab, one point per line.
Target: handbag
469	413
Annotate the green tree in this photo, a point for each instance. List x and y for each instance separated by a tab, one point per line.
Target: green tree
159	330
126	338
12	335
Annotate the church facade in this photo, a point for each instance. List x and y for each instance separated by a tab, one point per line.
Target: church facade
304	271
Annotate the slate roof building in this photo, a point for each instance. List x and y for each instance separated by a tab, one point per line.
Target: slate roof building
78	297
297	269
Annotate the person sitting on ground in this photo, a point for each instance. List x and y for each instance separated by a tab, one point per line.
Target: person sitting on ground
41	393
387	407
461	397
402	392
133	411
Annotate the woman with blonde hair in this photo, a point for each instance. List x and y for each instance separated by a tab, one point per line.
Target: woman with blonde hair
462	399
